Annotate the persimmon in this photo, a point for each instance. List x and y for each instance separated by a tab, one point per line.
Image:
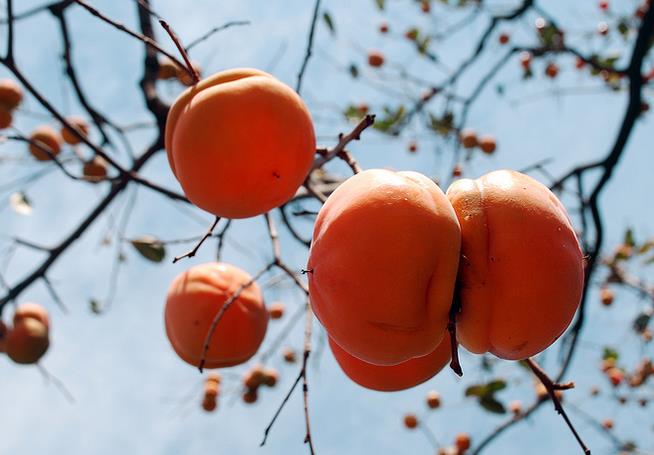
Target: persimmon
44	138
209	403
11	94
462	442
214	378
503	38
196	296
27	341
289	355
375	59
522	269
95	169
433	399
487	144
79	125
31	310
239	142
468	138
410	421
394	377
211	389
383	27
250	396
276	310
382	265
6	118
270	377
606	296
552	70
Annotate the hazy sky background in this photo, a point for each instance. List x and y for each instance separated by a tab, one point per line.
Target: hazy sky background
132	394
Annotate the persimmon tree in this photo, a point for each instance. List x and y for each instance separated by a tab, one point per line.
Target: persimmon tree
241	144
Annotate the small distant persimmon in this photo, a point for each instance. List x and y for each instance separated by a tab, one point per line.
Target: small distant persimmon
27	341
410	421
211	389
375	59
289	355
487	144
209	403
31	310
462	442
79	125
468	138
270	377
196	296
11	94
433	399
552	70
383	27
503	38
276	310
44	139
398	309
213	151
95	170
425	6
250	396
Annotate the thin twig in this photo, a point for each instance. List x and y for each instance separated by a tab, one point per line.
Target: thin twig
551	388
309	51
195	249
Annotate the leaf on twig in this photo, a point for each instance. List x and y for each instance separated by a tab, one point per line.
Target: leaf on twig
150	248
329	22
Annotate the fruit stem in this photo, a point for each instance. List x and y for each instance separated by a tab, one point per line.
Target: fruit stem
190	69
455	364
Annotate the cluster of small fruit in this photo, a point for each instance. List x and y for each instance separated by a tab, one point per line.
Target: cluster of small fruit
45	143
28	338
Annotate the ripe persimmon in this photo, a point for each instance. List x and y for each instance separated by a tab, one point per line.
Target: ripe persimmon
521	271
27	341
44	138
487	144
95	169
10	94
276	310
240	143
196	296
382	265
31	310
375	59
468	138
79	125
394	377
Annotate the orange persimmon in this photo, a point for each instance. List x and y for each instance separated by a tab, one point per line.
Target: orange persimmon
194	299
395	377
240	143
44	138
521	270
383	264
11	94
79	125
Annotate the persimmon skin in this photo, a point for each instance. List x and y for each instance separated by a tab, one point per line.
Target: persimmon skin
240	143
27	341
383	264
47	137
6	118
195	297
31	310
80	125
394	377
11	94
521	271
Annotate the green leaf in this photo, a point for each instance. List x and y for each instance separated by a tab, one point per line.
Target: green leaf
20	203
490	404
443	125
496	386
477	390
380	4
390	118
150	248
94	306
610	353
329	22
642	321
629	238
354	71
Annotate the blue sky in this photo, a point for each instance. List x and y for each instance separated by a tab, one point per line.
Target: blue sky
132	394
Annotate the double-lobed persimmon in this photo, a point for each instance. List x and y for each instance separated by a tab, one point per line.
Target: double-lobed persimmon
385	246
239	142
